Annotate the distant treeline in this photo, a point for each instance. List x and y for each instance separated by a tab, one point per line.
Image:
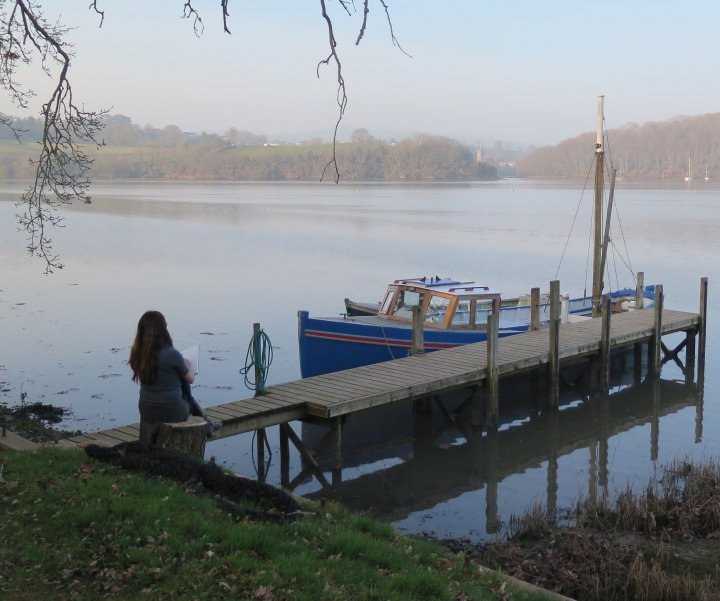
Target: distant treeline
132	152
653	150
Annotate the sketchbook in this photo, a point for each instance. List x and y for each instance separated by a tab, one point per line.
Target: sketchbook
192	354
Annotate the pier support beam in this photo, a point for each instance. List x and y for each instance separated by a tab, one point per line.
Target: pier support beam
535	309
554	347
604	362
493	323
418	346
702	332
655	346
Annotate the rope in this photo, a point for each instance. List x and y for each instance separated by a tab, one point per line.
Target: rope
257	361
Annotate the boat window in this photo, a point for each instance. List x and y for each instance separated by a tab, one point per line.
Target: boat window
482	310
387	301
405	302
462	313
437	308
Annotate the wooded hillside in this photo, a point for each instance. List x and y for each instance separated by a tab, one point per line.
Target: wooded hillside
132	152
651	151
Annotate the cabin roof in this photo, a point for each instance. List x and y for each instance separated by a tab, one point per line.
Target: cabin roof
448	285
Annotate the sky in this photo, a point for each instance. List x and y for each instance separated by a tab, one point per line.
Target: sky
527	72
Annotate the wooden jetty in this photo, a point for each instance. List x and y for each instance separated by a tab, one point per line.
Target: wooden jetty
329	398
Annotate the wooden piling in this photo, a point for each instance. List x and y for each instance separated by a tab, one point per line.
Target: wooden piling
639	290
702	330
604	363
554	346
655	346
417	331
493	323
535	309
284	457
259	384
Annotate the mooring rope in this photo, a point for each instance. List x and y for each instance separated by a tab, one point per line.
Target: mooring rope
257	361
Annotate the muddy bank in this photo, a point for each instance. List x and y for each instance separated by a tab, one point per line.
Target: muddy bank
662	544
35	421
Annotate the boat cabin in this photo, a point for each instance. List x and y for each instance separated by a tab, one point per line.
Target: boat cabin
444	303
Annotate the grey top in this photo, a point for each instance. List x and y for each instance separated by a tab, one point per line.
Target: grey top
166	385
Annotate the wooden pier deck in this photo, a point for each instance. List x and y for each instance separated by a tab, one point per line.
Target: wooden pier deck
331	396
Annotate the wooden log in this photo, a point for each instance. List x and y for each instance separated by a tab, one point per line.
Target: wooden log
188	437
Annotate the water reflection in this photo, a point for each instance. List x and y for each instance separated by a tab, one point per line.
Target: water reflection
441	462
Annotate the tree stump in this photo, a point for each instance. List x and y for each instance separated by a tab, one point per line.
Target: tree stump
188	437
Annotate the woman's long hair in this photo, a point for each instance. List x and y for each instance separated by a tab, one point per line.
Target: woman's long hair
152	335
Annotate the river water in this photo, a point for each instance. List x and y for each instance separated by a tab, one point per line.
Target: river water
217	257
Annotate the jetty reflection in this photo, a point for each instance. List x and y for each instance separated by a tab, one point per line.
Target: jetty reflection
442	457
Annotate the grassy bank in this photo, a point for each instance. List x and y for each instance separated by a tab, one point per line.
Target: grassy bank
658	544
76	528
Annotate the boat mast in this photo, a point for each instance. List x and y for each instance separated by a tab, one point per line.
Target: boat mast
597	235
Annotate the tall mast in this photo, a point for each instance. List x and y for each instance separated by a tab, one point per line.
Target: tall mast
598	211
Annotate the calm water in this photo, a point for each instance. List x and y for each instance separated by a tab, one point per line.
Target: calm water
217	257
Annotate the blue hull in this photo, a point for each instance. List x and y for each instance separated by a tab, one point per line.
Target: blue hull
328	345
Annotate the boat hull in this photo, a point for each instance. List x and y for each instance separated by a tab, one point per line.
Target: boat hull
333	344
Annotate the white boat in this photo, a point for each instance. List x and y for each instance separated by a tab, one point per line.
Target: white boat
688	177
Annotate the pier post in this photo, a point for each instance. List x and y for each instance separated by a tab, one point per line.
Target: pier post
535	309
417	331
337	452
259	382
703	326
640	290
260	447
655	346
493	323
284	458
554	346
605	345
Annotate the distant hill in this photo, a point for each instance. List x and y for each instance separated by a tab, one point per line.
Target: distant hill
132	152
651	151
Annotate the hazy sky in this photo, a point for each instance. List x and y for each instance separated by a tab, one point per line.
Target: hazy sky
526	71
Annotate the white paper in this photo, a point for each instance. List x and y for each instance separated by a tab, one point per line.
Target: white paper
192	354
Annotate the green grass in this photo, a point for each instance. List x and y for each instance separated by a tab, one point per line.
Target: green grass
74	528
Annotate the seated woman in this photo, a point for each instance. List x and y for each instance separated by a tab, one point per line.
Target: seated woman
161	371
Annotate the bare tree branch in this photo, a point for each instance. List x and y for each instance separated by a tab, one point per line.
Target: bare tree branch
341	93
189	12
61	169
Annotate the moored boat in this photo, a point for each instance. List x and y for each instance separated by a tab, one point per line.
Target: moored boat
454	312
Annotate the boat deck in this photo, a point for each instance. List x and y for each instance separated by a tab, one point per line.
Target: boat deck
340	393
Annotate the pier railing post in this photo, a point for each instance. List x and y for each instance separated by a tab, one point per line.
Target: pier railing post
417	331
702	333
554	346
655	347
605	345
259	381
640	290
493	323
535	309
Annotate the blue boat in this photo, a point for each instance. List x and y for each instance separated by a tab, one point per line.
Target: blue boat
453	312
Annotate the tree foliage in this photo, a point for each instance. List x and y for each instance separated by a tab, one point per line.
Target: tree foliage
655	150
28	38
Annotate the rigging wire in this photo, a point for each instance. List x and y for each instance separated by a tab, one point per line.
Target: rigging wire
572	225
